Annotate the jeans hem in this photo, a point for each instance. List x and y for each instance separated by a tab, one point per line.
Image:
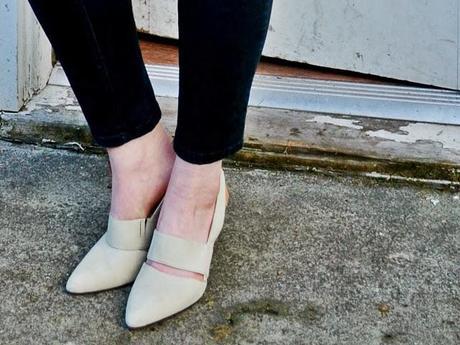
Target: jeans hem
121	138
194	157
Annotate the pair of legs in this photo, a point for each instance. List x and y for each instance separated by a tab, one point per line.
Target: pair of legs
220	42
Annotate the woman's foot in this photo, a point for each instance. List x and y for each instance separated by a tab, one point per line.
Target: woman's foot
188	206
140	175
141	169
176	274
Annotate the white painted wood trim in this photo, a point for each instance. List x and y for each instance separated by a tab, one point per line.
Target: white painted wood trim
8	50
458	45
25	55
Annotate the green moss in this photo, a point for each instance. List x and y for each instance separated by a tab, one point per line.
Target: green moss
260	157
220	332
311	313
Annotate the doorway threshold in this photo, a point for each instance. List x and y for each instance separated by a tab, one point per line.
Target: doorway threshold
274	138
375	100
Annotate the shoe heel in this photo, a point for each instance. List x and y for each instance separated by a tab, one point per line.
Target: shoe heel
227	196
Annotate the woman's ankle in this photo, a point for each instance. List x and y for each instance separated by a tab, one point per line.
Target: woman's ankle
192	192
188	206
141	169
136	152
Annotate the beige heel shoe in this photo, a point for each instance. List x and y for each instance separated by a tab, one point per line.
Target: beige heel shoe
116	258
156	295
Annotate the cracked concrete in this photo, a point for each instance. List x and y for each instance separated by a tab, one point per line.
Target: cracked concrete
303	259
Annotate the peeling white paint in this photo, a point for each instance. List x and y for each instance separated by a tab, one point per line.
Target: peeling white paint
349	123
74	143
433	201
73	107
377	175
448	136
52	97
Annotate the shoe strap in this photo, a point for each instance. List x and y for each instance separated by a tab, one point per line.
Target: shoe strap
180	253
133	234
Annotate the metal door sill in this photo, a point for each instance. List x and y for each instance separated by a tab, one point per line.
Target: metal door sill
325	96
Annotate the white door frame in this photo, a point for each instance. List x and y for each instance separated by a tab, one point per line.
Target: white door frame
25	55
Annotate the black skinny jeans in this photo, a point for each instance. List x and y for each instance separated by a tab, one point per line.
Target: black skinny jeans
220	43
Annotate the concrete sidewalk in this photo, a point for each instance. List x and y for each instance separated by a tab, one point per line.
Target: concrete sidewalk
303	259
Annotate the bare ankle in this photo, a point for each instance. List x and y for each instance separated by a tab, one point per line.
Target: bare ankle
140	173
188	206
142	150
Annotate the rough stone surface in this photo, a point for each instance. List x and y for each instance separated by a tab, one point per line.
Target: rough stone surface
303	259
